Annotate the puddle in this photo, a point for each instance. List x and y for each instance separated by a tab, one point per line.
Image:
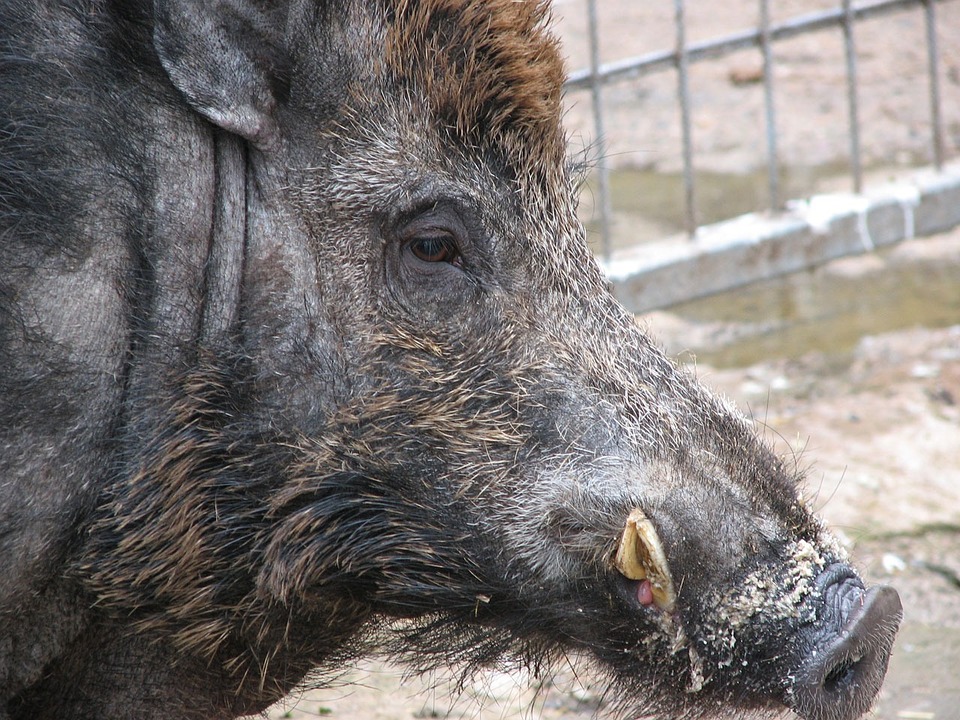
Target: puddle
825	310
822	310
649	205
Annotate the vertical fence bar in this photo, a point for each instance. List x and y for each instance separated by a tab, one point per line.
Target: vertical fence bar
599	128
773	162
683	91
850	50
936	121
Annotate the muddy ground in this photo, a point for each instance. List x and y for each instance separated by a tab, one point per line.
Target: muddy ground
869	403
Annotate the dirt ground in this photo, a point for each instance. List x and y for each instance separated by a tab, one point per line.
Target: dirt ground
642	127
876	427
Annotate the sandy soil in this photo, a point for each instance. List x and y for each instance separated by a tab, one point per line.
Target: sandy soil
879	433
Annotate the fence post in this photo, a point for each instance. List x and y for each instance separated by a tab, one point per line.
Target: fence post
936	120
683	91
773	162
850	51
596	95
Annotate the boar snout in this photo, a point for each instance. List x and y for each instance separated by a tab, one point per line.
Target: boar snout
844	655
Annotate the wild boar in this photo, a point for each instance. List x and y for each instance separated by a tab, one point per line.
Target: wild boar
305	357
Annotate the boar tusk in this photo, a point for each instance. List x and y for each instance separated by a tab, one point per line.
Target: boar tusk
640	556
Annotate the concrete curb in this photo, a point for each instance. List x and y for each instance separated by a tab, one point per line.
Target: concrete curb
809	233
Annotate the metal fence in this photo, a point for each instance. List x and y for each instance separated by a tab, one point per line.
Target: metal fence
679	58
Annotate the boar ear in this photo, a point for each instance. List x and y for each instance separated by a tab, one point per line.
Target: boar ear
227	59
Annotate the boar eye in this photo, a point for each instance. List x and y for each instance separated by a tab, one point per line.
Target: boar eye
435	248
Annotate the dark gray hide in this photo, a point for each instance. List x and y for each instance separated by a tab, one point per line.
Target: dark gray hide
304	357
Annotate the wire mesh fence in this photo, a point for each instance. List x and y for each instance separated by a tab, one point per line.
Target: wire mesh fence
688	31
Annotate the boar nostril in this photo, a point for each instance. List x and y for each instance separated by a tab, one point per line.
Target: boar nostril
841	676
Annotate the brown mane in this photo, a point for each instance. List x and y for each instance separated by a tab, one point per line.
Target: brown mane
489	70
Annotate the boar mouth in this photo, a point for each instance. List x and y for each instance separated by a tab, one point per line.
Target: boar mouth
831	664
640	558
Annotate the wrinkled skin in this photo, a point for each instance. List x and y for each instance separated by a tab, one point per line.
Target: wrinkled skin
305	357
